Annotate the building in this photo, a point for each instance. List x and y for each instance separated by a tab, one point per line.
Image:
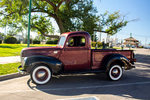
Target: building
133	42
19	37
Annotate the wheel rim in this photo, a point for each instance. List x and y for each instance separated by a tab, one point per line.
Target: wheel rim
41	75
115	72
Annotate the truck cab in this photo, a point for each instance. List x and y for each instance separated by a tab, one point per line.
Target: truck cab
73	54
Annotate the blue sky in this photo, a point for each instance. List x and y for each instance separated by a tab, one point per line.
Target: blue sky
135	9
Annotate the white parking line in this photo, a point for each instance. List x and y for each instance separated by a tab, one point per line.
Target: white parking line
56	89
81	98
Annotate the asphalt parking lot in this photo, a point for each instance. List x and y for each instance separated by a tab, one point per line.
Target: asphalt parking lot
134	84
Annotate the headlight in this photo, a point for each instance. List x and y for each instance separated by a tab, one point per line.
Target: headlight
23	60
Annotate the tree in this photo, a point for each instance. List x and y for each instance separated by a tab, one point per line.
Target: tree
70	15
111	23
2	34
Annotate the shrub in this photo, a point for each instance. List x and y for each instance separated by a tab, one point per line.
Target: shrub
55	41
0	41
140	46
25	41
49	42
18	42
99	44
10	39
107	44
93	44
35	41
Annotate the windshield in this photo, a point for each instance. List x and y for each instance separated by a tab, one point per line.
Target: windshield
62	40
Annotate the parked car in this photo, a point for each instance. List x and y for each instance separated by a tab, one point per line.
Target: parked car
73	54
147	47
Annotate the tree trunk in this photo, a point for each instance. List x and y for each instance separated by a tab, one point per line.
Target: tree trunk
60	25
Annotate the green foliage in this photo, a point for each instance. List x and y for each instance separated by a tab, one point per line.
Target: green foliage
0	41
18	42
35	41
49	42
107	44
141	47
99	44
55	41
26	39
10	40
112	22
70	15
93	44
2	34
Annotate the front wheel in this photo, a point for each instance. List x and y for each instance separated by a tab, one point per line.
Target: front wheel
115	72
41	74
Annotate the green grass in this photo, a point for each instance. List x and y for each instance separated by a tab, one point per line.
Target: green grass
15	49
9	68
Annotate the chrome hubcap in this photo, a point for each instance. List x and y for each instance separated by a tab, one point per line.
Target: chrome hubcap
115	71
41	74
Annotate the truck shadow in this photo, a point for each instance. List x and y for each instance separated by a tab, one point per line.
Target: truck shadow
135	83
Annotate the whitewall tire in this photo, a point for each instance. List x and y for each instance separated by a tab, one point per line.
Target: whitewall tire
41	74
115	72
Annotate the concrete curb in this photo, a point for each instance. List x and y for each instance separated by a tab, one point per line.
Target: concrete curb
10	76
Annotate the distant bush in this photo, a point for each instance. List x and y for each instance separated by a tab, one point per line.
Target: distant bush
0	41
55	41
93	44
99	44
10	39
107	44
35	41
141	47
25	41
18	42
49	42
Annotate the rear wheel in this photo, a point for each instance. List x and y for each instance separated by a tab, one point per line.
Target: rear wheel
41	74
115	72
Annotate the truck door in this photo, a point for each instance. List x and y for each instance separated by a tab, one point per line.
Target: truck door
74	56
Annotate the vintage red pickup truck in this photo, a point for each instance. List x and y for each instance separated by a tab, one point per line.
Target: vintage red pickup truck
73	54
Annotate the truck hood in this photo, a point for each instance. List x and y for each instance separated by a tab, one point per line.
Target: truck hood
43	51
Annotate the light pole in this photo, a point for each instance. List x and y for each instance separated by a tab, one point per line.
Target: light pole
29	23
130	40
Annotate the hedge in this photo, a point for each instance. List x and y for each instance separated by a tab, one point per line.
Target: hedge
49	42
0	41
10	39
35	41
93	44
55	41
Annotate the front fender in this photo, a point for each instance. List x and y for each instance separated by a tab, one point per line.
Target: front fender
54	64
119	59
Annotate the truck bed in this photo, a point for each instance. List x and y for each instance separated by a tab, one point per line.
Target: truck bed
99	54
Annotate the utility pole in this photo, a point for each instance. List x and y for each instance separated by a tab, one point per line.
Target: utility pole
29	23
100	32
130	40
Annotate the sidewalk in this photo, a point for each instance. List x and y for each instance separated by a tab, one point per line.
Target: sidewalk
12	59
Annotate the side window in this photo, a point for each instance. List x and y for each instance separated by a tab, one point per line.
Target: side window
76	41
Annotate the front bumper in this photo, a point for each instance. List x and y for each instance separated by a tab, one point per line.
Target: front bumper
21	71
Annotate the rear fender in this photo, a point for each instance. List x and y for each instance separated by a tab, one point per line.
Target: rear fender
119	59
54	64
